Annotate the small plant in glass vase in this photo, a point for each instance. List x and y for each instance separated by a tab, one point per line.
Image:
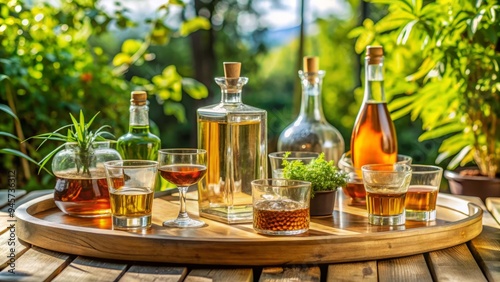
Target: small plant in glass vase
325	179
455	86
81	187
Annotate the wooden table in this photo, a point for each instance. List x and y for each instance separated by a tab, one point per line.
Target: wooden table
476	260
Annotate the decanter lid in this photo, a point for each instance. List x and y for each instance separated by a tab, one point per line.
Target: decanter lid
232	69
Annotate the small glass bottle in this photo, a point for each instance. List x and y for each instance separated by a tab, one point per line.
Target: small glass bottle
139	143
310	131
235	137
373	139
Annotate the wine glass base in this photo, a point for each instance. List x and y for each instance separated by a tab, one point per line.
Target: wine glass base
186	223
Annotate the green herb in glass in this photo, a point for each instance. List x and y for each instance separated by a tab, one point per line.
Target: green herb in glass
323	175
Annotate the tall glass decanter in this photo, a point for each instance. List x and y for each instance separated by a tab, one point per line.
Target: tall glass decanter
373	139
235	137
310	131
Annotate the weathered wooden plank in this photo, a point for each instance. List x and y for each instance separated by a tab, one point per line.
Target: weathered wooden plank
451	263
353	271
493	205
6	195
10	247
143	273
37	264
282	274
28	197
88	269
412	268
216	275
486	250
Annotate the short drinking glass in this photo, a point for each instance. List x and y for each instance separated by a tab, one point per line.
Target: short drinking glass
386	186
281	206
131	191
277	158
183	167
422	194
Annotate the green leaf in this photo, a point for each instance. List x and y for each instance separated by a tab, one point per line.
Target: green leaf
194	88
8	110
175	109
193	25
131	46
441	131
10	135
20	154
459	157
122	59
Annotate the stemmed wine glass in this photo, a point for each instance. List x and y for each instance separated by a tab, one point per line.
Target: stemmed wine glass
182	167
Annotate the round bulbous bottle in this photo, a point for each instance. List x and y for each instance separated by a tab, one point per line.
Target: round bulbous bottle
311	131
81	188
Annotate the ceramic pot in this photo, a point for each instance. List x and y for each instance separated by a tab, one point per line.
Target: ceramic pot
323	203
478	186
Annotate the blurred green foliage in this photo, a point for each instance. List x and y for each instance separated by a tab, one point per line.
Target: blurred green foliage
48	68
444	63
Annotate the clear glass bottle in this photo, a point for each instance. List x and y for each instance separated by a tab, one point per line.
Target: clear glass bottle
139	143
373	139
310	131
235	137
81	188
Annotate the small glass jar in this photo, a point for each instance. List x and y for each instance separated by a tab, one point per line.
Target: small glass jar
81	188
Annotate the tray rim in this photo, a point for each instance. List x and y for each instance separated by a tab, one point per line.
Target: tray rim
27	221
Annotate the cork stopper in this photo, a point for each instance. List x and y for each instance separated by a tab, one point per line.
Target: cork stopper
374	54
139	98
311	64
232	69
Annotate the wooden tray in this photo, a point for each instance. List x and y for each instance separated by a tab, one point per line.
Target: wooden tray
345	236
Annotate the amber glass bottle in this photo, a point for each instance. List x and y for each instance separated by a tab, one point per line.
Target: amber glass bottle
373	139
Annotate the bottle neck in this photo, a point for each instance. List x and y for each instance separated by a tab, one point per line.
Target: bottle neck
139	119
374	83
311	106
231	89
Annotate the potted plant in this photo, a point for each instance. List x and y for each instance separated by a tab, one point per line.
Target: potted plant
81	187
453	51
325	179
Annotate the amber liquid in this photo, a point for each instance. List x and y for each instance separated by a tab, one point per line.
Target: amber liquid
280	220
385	204
183	175
373	139
421	198
234	160
356	191
82	196
131	202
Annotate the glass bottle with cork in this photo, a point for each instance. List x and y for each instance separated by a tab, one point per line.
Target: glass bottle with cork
373	139
139	143
235	137
310	131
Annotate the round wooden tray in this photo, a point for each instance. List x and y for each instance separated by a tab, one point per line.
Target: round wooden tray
344	236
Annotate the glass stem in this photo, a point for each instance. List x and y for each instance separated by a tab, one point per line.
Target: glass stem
182	197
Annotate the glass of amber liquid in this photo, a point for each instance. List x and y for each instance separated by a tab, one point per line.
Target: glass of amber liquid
281	206
131	186
386	187
423	191
183	167
355	189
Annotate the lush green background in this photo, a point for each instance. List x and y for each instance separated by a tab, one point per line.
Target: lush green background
77	55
